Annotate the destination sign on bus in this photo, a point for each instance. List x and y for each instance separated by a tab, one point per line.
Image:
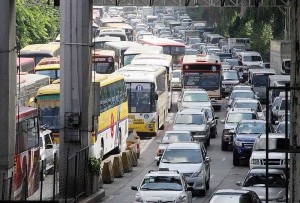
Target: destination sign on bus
203	67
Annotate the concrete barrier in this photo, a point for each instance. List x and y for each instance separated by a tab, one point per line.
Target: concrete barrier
118	166
107	172
133	138
133	154
126	160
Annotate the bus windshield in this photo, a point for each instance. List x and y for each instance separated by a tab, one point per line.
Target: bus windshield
53	74
208	81
141	98
260	80
50	117
171	50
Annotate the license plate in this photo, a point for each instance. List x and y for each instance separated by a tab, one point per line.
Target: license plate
131	116
138	121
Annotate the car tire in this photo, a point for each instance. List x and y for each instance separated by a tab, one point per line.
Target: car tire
235	159
208	142
202	192
224	146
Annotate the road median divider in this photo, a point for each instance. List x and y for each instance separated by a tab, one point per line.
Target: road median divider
127	162
107	172
133	154
118	168
134	139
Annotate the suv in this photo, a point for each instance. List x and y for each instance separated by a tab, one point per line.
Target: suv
163	186
191	160
244	137
250	103
230	78
48	148
196	121
232	118
276	159
193	98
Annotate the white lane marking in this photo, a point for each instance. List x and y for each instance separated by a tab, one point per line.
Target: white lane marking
146	145
223	159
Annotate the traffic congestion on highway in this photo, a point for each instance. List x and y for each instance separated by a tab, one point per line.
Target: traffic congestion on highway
196	99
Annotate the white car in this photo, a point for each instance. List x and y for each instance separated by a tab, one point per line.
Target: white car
193	98
163	186
276	159
176	79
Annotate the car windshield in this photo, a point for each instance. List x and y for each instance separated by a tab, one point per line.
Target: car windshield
172	183
252	58
176	137
251	105
230	75
176	74
192	156
260	180
197	119
237	117
233	62
274	143
242	95
195	97
251	128
242	88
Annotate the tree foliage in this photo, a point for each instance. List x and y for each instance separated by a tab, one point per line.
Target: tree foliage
37	22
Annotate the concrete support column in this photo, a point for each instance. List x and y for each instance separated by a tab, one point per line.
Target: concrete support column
75	86
295	101
7	91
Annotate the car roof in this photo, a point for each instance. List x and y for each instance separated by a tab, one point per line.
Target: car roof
242	91
249	100
231	191
182	145
191	111
252	121
163	173
177	132
263	170
195	91
273	135
241	110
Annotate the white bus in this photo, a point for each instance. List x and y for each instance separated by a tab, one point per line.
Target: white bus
147	97
131	52
119	48
112	32
160	60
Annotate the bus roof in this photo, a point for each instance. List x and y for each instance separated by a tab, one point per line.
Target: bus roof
154	59
103	52
105	79
112	20
49	89
200	59
48	67
147	69
51	60
143	49
23	112
27	79
122	44
40	49
119	25
106	39
161	42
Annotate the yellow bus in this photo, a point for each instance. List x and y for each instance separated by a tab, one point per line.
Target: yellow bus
40	51
110	114
49	67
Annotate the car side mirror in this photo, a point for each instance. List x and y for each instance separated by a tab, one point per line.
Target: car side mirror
239	183
207	159
49	146
276	122
222	121
158	141
134	188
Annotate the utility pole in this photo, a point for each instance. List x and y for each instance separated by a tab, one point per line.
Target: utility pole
295	101
75	86
7	92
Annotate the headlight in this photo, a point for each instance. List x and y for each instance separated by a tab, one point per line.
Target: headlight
181	199
138	198
238	143
198	173
255	161
150	126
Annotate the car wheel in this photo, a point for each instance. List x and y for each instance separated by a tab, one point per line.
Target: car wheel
208	142
224	146
202	192
157	163
235	160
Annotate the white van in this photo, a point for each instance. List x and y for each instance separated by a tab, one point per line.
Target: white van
250	58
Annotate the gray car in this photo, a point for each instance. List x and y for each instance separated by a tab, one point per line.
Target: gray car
195	121
191	160
256	181
230	196
193	98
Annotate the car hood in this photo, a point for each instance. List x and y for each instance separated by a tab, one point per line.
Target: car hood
274	193
175	80
246	137
181	167
191	127
230	125
272	155
164	196
195	104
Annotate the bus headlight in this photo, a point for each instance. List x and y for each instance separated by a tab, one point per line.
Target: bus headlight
150	126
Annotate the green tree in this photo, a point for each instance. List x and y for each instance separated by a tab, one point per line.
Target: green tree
36	22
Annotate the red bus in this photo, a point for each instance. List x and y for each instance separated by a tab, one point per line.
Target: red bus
26	64
104	61
203	71
170	47
27	153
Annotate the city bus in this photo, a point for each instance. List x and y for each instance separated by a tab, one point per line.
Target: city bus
203	71
160	60
110	112
171	47
27	153
125	26
25	64
104	61
40	51
49	67
119	48
112	32
131	52
147	92
100	41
